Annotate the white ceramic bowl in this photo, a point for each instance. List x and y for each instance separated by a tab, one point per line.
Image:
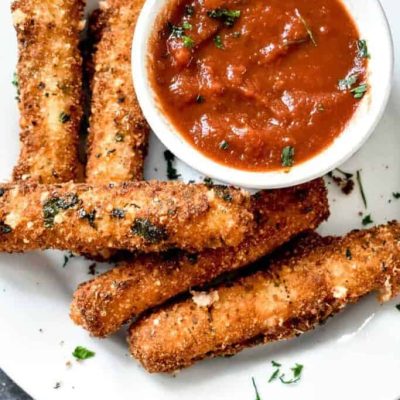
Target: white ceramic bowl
373	26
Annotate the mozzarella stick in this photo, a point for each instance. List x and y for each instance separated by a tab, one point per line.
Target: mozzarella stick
142	216
289	296
118	132
103	304
50	86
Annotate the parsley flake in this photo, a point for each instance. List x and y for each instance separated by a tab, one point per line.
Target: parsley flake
224	145
218	42
151	233
396	195
255	389
287	156
359	91
228	17
64	118
367	220
363	49
297	371
364	199
172	173
81	353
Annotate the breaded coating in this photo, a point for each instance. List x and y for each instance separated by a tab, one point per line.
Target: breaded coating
291	295
103	304
142	216
118	132
50	86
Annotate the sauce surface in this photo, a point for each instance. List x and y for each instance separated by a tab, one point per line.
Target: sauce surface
258	85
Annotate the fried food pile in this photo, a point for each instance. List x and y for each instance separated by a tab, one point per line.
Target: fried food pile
211	269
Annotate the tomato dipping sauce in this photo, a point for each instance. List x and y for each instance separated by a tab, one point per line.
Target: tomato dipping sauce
258	85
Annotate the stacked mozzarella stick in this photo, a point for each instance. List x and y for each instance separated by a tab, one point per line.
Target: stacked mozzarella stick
183	239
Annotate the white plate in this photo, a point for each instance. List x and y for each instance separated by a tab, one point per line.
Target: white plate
355	355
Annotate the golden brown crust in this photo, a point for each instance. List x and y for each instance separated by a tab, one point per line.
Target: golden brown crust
103	304
144	216
118	132
49	76
289	296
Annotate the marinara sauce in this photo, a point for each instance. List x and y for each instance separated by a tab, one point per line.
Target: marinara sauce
258	84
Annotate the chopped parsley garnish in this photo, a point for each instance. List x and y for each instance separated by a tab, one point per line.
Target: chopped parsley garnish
224	145
187	41
396	195
118	213
363	49
349	256
308	29
287	156
208	181
4	228
228	17
218	42
15	83
255	389
172	173
89	216
223	192
367	220
187	25
119	137
359	91
189	10
348	82
274	375
297	370
151	233
199	99
52	207
176	30
275	364
81	353
364	199
66	260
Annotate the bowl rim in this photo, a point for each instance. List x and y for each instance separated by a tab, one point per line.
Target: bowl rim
189	154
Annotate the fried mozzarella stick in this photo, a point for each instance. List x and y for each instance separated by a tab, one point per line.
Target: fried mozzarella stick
291	295
50	85
118	131
143	216
103	304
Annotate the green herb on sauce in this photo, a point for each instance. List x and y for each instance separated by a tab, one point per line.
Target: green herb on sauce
64	117
119	137
308	29
187	25
287	156
81	353
348	82
187	41
364	199
218	42
228	17
172	173
297	371
363	49
52	207
118	213
4	228
349	256
255	389
151	233
176	31
367	220
224	145
359	91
